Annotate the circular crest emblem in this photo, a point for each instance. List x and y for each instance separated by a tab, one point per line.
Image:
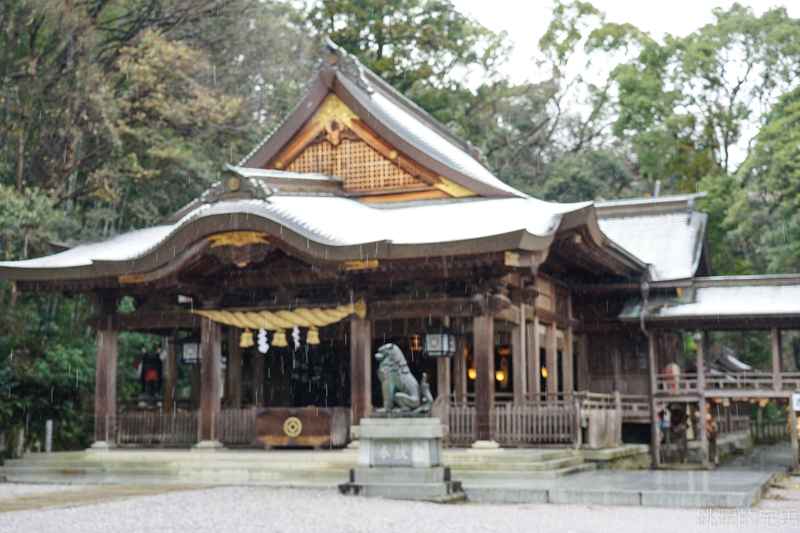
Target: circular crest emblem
292	427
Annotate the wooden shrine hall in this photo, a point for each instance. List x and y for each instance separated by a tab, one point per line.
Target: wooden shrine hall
362	221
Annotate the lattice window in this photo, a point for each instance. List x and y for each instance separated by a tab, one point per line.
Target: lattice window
360	166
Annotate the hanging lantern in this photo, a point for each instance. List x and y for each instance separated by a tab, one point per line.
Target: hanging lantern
279	339
472	373
246	338
312	337
441	343
415	343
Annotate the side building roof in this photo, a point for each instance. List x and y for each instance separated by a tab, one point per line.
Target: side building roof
665	232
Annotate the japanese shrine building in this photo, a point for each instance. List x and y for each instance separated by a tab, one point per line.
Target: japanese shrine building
361	220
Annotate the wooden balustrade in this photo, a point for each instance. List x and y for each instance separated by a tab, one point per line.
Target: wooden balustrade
681	384
179	428
769	431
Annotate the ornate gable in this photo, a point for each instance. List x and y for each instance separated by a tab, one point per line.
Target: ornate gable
336	142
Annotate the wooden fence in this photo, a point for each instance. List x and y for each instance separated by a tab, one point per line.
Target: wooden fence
514	425
769	431
180	428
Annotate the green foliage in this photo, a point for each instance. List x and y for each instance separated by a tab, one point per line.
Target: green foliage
577	177
766	215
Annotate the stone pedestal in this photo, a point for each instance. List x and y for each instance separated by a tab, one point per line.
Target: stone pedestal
401	458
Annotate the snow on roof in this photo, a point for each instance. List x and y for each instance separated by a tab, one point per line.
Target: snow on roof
337	221
734	301
280	174
671	243
395	115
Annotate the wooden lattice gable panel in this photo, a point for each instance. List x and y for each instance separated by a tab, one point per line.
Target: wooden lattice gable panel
335	141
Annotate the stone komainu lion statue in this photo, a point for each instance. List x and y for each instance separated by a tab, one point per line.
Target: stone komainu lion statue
401	392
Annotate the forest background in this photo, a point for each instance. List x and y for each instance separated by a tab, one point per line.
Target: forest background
116	113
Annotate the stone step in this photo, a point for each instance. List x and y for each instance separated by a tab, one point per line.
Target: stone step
553	464
487	475
508	455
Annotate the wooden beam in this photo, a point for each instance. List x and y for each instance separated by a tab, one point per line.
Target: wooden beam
210	366
105	402
360	369
483	350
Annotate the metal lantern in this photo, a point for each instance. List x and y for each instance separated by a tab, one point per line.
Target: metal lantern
440	344
191	353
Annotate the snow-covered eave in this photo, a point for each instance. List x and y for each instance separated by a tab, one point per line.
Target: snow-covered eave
184	236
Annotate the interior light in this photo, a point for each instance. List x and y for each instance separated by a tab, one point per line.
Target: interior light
544	372
499	375
472	373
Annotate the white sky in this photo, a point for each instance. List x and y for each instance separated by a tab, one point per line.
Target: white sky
526	21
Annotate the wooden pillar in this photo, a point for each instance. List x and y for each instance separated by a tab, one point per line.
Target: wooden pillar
443	380
105	400
793	437
583	362
651	375
520	360
533	364
360	369
210	382
551	362
776	359
460	373
483	348
701	392
257	379
567	362
171	378
234	374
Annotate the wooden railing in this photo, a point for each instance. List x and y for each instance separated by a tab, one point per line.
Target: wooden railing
740	380
671	384
737	423
769	430
178	428
551	423
635	406
237	426
514	425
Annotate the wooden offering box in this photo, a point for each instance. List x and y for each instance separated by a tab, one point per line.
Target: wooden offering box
316	427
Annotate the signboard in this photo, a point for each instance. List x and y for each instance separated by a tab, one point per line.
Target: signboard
191	353
796	402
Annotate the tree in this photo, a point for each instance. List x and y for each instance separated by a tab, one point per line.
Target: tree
578	177
765	217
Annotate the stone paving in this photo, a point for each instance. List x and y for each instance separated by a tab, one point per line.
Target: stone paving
266	509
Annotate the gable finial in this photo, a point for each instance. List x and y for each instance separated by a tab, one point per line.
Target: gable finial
338	59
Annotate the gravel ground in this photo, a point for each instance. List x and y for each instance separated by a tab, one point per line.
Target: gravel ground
10	490
261	509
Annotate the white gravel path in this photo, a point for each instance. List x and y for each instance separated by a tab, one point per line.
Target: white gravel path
265	510
11	490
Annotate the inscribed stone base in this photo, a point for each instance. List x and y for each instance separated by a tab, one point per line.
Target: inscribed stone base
401	458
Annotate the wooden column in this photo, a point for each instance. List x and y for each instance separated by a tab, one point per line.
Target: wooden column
793	436
360	369
483	348
520	359
443	383
533	364
210	381
460	372
776	359
651	376
583	362
234	374
171	378
567	362
701	392
551	362
105	400
194	391
257	380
